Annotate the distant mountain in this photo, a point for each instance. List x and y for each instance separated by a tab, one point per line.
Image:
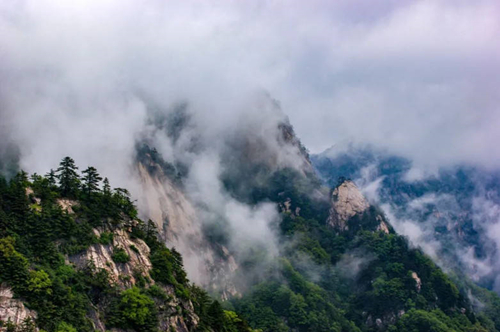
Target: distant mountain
451	213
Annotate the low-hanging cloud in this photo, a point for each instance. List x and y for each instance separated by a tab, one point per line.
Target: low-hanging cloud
420	78
458	234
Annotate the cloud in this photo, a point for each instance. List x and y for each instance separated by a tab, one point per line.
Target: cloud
460	231
80	78
417	77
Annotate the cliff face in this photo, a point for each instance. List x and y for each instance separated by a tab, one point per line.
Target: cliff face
125	275
12	309
350	211
208	264
100	256
346	202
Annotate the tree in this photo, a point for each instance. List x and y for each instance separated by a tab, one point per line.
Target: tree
91	180
69	181
51	177
106	188
65	327
39	282
137	310
216	316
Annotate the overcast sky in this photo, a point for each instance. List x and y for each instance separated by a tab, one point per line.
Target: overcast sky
421	78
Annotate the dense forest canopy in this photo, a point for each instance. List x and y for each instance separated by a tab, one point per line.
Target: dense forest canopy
46	219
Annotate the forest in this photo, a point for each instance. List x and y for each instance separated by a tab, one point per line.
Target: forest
362	279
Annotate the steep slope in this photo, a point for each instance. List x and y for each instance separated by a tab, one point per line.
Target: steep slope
77	258
255	226
347	202
453	210
163	199
336	263
247	158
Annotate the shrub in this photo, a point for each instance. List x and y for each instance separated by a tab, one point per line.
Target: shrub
120	256
106	238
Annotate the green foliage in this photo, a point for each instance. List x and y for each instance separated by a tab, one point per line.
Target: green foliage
65	327
135	310
13	265
134	248
120	255
168	269
90	180
36	234
69	180
39	282
156	292
106	238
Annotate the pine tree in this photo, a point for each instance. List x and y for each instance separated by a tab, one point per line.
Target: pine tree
28	325
106	188
51	177
91	180
69	180
10	326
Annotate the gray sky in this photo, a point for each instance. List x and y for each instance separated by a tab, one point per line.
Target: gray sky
418	77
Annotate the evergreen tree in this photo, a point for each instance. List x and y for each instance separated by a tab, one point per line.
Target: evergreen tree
69	180
28	325
91	180
51	177
106	189
10	326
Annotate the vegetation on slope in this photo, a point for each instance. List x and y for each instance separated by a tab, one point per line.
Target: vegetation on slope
46	219
361	279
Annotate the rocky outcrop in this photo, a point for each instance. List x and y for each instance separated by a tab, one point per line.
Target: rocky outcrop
174	314
418	282
100	256
347	201
382	226
13	309
67	204
164	201
171	319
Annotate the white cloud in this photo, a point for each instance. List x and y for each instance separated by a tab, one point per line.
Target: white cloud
417	77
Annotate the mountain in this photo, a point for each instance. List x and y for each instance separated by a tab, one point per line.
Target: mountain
451	213
83	261
247	217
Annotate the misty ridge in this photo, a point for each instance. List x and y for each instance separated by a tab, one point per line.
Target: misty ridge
217	166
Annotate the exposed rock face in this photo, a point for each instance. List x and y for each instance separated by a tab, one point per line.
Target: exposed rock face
122	274
347	201
177	222
382	227
67	204
11	308
418	282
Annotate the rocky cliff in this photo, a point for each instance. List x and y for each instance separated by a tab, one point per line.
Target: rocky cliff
164	202
347	201
351	211
126	274
12	309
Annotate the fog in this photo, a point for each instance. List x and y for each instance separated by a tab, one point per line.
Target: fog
418	77
82	78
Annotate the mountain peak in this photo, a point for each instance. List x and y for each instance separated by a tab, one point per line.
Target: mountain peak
347	201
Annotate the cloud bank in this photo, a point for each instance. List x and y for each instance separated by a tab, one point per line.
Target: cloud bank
420	78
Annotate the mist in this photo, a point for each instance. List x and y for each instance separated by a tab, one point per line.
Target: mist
460	235
417	78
